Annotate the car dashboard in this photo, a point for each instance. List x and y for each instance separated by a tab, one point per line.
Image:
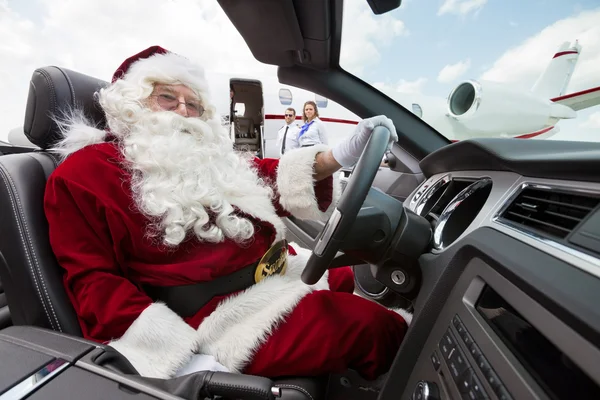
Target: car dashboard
511	283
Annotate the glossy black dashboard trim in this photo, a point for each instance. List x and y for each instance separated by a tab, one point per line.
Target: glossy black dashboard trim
569	293
553	159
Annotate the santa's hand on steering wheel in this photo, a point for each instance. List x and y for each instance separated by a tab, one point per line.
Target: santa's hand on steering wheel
349	151
371	146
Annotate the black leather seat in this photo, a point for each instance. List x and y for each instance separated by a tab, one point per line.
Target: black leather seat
30	275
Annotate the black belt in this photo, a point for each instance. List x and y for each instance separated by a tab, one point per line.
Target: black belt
307	145
186	300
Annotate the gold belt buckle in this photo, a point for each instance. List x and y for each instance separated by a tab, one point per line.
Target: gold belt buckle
274	261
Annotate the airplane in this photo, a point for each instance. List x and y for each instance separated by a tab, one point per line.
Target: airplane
473	109
479	108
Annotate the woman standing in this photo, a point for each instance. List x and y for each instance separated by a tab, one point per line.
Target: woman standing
313	130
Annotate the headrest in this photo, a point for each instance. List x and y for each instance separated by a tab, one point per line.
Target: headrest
54	91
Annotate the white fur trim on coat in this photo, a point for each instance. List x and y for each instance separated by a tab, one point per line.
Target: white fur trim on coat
77	132
407	315
241	323
158	343
404	314
261	208
296	184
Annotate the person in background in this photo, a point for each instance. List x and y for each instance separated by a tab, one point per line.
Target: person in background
313	130
288	134
231	103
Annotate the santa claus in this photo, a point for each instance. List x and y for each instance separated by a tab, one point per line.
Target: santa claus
173	245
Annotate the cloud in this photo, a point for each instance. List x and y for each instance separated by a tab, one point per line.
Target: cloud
94	36
523	64
413	87
593	121
461	7
451	72
365	34
403	86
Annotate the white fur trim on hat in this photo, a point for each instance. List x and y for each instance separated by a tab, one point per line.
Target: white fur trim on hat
168	68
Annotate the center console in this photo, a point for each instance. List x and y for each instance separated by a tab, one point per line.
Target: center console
492	341
41	364
38	363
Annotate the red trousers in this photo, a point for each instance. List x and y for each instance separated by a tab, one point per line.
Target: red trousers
331	331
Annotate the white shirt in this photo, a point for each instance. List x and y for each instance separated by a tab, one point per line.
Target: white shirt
314	134
291	141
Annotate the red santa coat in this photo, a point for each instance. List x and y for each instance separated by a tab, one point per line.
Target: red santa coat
100	240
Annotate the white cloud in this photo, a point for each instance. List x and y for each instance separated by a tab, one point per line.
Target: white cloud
364	34
451	72
523	64
461	7
412	87
593	121
403	86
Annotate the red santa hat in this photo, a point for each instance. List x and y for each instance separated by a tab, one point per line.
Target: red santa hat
156	64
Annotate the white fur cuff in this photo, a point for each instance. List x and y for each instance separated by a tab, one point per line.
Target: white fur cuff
158	343
296	185
404	314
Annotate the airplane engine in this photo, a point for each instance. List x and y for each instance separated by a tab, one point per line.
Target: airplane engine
494	108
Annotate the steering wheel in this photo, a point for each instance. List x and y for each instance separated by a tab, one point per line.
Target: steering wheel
341	220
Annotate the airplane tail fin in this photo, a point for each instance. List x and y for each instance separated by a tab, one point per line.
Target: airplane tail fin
554	80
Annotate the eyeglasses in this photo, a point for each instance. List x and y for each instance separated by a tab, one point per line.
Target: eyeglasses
169	103
289	115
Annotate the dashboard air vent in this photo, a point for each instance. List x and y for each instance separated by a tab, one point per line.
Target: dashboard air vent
548	211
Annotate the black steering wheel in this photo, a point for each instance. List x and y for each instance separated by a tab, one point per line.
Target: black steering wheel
341	220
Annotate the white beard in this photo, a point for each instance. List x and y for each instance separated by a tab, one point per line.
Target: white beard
185	177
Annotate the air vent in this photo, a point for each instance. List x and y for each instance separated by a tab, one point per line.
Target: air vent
549	212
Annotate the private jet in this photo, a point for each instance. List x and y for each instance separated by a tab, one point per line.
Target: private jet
492	242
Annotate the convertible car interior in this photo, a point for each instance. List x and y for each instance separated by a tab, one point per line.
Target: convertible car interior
494	244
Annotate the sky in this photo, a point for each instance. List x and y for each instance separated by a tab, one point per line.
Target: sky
424	47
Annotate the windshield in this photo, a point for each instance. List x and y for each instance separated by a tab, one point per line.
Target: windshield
478	68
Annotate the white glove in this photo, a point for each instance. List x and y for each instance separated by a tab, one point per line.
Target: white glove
348	152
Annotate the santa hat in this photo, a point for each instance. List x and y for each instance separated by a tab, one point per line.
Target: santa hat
156	64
